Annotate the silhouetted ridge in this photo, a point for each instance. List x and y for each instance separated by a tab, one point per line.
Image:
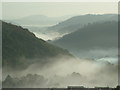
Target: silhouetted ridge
77	22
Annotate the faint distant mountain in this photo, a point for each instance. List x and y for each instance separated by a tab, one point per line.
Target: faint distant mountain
99	36
77	22
38	20
21	48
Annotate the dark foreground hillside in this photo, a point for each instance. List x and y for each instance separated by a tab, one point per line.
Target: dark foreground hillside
21	47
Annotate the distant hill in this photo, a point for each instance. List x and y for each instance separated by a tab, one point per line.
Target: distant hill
77	22
38	20
92	36
20	48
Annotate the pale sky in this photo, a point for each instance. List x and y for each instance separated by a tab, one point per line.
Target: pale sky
12	10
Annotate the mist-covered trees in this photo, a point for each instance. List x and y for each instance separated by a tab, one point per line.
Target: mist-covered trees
30	80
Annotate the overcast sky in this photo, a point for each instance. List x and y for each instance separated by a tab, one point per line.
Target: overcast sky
56	9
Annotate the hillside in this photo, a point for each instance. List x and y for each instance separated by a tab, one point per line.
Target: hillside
77	22
92	36
20	47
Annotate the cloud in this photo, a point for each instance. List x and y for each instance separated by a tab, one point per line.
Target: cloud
63	72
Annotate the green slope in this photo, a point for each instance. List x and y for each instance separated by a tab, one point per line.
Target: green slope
19	47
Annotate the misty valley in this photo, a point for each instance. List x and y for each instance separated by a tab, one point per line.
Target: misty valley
44	52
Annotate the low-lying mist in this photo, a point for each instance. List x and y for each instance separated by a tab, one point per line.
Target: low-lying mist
95	53
63	72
